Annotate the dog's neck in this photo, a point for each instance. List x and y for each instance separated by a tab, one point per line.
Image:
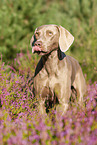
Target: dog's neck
56	53
51	61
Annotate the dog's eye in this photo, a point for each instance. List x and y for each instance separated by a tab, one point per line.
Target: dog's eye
49	33
37	34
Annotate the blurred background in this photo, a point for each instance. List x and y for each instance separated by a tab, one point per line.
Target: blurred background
19	18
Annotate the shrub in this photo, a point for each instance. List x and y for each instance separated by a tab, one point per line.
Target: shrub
21	123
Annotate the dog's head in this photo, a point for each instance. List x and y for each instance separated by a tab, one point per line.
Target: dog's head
50	37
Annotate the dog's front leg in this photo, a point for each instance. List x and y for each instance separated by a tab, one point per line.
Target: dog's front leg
63	104
63	98
41	106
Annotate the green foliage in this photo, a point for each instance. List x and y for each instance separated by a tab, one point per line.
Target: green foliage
18	20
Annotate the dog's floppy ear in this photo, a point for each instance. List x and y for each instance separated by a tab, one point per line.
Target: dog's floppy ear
33	38
65	39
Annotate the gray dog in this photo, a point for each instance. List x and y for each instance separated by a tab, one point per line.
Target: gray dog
56	73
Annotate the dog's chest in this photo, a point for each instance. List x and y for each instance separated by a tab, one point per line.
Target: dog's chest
45	79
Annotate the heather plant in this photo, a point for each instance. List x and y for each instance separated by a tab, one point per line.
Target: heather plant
22	123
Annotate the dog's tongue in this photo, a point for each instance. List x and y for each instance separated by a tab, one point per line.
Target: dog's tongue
36	48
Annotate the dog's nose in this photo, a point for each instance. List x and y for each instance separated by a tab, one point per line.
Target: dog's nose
38	43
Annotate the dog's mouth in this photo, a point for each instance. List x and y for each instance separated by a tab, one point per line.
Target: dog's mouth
38	50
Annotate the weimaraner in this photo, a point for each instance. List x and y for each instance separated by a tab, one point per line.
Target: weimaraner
56	74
